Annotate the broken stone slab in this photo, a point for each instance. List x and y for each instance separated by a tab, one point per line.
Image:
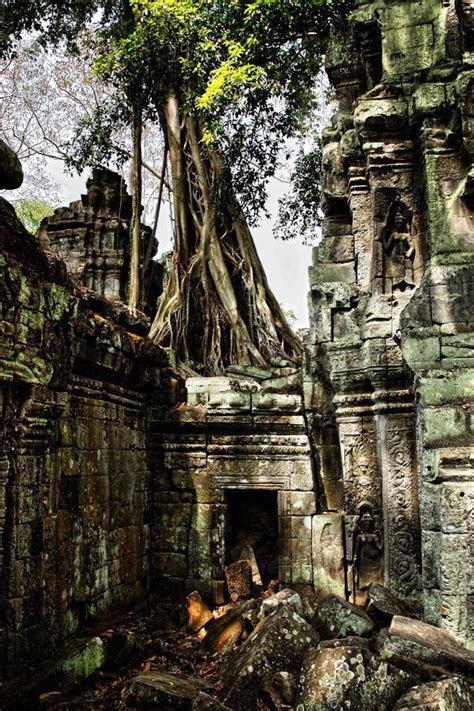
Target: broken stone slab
225	632
382	605
239	579
251	611
361	642
278	643
285	597
161	690
204	702
337	618
349	678
77	661
198	612
281	689
453	694
432	652
11	172
246	552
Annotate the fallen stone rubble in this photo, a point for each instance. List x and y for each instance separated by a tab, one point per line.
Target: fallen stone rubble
269	652
277	656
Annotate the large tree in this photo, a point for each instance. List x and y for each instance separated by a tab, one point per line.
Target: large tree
45	93
228	81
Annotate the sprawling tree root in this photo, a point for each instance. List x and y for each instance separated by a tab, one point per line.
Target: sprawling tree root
217	308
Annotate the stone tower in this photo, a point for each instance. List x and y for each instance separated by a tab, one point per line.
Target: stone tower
389	366
92	236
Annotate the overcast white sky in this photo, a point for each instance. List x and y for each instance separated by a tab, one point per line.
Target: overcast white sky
286	263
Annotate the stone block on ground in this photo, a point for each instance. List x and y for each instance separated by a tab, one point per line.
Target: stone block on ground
198	612
204	702
349	678
281	689
250	612
361	642
161	690
246	552
432	652
453	694
224	632
76	662
278	643
337	618
285	597
239	579
382	605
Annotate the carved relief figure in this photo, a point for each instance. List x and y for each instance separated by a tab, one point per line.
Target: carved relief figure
361	473
399	249
331	558
367	564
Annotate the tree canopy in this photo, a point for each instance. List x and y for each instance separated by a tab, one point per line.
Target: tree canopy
247	69
228	81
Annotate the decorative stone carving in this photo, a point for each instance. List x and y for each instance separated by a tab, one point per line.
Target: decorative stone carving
328	554
388	354
367	548
399	250
92	236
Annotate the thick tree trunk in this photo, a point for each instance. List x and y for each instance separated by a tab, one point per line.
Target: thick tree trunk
134	287
217	309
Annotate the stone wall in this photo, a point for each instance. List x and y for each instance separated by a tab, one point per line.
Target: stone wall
76	381
92	236
110	485
232	435
388	376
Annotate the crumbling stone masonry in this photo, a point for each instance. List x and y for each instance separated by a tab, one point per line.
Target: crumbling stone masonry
232	436
389	376
76	382
360	471
92	236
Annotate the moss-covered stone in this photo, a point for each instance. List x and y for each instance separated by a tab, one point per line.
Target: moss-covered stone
336	618
350	678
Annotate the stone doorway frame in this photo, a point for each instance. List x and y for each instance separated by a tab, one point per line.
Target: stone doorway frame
295	564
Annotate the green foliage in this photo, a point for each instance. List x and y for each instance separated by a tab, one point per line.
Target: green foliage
95	141
299	213
53	21
31	211
245	69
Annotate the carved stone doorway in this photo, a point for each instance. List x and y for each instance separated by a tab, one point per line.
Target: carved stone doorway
252	525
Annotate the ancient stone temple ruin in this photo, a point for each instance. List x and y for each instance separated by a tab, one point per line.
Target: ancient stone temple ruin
388	375
92	236
120	476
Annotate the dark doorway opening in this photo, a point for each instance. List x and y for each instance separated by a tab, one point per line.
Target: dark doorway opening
252	521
